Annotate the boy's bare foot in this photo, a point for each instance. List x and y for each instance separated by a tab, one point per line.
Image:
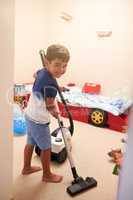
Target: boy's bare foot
31	170
53	178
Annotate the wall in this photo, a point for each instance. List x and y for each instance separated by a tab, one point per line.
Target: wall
6	81
107	61
30	37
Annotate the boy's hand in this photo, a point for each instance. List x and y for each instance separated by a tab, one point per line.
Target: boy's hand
64	89
51	107
54	113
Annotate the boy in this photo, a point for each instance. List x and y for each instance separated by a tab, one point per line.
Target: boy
41	103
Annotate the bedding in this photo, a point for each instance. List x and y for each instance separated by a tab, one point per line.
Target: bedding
114	105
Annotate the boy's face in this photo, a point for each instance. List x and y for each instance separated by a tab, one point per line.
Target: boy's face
56	67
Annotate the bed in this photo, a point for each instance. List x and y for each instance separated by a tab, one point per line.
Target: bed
98	110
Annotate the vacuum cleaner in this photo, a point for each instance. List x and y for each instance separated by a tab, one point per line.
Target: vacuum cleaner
58	149
79	184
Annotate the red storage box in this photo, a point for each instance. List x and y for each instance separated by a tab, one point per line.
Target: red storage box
92	88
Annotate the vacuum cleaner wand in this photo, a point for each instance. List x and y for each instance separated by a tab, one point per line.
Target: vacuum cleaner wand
68	148
71	128
79	184
42	55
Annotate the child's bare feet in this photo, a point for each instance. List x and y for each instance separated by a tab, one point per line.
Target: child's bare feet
31	170
53	178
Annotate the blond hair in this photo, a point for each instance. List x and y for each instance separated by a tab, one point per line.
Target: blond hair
57	51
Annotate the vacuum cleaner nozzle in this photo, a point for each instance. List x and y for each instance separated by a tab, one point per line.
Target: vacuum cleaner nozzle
79	185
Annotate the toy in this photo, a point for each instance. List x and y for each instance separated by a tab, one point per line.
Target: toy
116	170
91	88
19	123
21	96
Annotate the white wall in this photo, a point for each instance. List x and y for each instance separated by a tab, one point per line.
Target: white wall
107	61
6	81
30	37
